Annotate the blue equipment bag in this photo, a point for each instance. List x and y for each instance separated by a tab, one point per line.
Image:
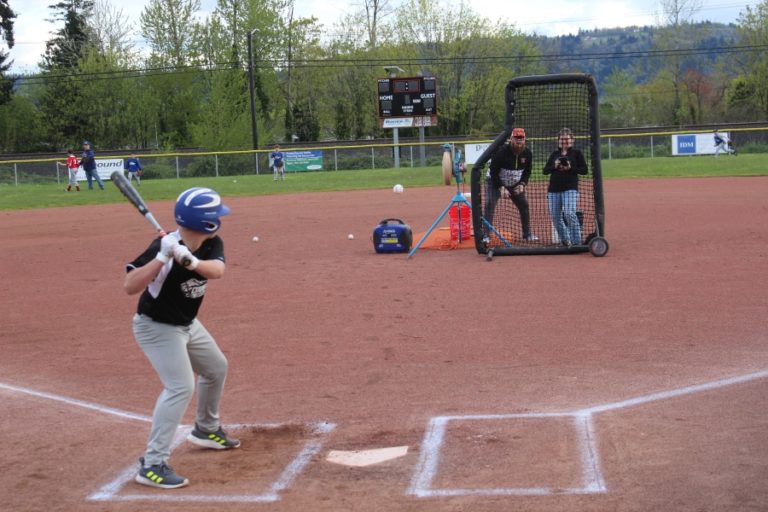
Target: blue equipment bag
392	235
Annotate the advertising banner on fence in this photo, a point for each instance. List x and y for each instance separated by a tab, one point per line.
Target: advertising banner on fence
473	151
104	167
695	143
311	160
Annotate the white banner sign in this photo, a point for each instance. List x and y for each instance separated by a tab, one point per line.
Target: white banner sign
473	151
104	167
696	143
398	122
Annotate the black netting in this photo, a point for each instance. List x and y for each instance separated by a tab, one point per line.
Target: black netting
542	108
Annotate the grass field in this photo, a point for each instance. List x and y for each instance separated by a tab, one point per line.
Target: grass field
14	197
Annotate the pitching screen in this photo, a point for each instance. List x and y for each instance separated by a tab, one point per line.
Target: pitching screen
512	222
407	97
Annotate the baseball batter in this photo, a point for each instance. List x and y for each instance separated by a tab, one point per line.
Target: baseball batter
172	274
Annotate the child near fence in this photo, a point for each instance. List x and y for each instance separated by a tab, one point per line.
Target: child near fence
72	166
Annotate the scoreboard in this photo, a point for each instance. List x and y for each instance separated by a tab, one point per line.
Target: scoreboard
414	97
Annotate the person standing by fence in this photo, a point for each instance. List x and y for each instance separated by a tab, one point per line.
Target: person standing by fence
72	165
133	166
277	160
88	163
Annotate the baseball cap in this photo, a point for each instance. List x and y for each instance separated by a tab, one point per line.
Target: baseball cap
518	133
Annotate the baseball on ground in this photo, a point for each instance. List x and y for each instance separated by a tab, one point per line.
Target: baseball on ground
350	236
255	239
398	189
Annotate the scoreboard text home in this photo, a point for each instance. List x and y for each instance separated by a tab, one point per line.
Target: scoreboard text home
414	97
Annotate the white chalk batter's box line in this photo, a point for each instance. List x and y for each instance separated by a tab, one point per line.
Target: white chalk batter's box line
592	478
111	491
434	439
427	466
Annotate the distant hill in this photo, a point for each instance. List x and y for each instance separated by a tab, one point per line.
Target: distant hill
627	49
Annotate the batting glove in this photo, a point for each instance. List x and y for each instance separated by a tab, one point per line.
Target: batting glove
167	243
183	255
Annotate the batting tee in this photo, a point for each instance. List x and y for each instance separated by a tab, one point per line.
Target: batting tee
542	105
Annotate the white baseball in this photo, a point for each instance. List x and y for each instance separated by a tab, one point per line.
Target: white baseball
255	239
398	189
350	236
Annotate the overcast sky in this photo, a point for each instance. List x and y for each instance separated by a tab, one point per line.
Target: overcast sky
547	17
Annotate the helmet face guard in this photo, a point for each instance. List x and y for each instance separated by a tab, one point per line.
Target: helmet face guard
200	209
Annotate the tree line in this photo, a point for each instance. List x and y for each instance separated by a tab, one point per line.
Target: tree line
192	85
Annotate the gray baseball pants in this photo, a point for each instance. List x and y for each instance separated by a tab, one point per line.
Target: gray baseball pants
177	353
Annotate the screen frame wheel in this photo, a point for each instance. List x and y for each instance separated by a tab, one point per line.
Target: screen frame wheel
598	246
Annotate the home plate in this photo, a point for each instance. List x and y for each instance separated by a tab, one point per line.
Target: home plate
361	458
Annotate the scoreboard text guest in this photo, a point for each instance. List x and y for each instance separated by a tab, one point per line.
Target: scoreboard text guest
407	97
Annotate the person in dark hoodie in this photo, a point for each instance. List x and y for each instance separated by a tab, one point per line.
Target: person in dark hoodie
508	175
564	166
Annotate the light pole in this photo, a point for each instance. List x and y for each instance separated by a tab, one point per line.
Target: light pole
254	129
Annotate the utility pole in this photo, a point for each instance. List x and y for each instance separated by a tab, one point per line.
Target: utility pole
251	86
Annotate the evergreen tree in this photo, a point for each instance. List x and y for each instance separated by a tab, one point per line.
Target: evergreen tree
66	49
6	32
61	97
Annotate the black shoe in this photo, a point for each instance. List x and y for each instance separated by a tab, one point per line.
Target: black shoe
159	475
215	440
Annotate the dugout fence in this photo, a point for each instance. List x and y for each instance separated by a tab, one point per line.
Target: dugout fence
542	105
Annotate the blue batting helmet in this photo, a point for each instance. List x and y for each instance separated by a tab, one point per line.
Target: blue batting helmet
199	209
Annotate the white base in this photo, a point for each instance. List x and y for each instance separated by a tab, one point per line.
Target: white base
362	458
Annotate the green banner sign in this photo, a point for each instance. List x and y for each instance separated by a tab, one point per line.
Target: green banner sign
304	160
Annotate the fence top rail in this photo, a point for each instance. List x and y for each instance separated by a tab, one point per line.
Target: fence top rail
245	151
459	140
675	132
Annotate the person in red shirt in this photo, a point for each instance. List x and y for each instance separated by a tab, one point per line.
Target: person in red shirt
71	165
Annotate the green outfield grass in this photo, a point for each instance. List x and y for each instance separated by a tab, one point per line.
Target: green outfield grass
753	164
13	197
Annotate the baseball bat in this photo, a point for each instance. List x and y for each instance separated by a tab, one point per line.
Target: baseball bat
130	193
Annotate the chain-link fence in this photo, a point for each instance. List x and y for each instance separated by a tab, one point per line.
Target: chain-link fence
337	157
652	142
44	169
